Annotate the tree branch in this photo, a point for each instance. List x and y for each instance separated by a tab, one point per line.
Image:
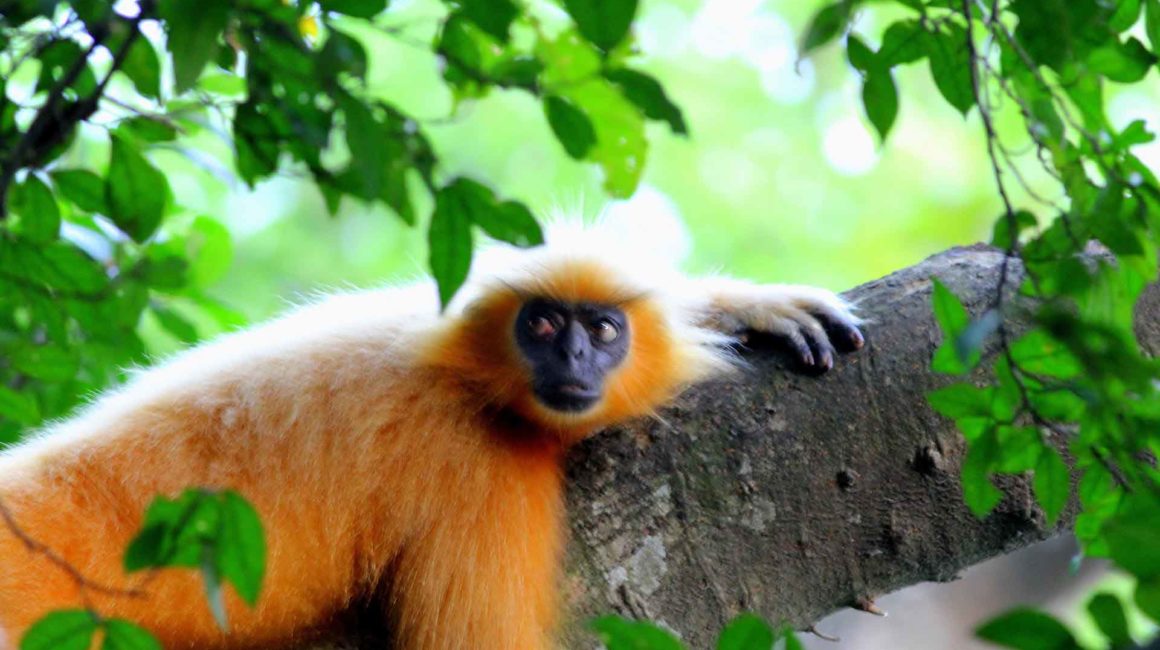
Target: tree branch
55	121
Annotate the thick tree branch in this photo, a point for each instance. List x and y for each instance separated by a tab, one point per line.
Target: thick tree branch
794	496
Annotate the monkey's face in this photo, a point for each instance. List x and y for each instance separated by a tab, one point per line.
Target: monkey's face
571	348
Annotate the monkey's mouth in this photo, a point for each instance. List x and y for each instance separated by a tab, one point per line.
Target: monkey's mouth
571	397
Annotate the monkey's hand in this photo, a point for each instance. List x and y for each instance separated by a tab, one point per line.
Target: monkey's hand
815	323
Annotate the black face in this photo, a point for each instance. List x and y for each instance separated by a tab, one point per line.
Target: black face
571	348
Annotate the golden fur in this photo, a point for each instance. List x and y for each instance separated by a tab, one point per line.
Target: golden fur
388	451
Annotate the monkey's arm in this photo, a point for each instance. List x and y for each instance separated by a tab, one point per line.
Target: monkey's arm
815	322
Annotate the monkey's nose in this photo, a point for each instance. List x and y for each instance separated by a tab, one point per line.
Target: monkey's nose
575	341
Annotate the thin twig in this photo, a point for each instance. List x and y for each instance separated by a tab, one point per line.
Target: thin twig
84	584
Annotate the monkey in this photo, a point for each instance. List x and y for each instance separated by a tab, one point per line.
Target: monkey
396	456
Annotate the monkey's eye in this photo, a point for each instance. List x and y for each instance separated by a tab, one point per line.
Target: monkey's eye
542	327
605	331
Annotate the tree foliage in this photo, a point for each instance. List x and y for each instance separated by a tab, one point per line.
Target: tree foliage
1077	381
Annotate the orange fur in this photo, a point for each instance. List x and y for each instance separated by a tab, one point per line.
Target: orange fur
409	463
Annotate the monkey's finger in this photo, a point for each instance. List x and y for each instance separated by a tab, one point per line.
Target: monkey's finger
845	335
800	345
821	349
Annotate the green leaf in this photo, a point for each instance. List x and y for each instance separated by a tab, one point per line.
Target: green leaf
1152	22
1027	629
367	140
825	26
194	29
953	320
1126	14
1038	353
93	12
1019	448
746	632
572	127
950	65
791	640
218	533
510	222
1059	405
241	548
175	324
1056	33
449	241
573	71
858	54
341	52
1135	133
165	271
962	400
648	95
47	362
173	532
1085	88
143	68
457	44
604	23
135	191
34	203
1008	227
82	187
903	42
880	97
980	495
231	85
18	407
492	16
123	635
518	71
256	143
1131	536
61	630
211	251
147	129
1052	484
620	634
1148	597
949	311
1108	614
356	8
67	267
1126	62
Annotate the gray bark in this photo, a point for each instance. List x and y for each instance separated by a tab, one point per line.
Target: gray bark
792	496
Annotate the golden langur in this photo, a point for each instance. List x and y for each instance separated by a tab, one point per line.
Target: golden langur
400	460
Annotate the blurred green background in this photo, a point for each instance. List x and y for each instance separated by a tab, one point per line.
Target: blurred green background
781	179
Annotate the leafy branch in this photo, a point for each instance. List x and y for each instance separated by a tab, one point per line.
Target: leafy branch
1078	379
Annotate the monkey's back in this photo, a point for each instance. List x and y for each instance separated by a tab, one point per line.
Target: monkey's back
346	449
